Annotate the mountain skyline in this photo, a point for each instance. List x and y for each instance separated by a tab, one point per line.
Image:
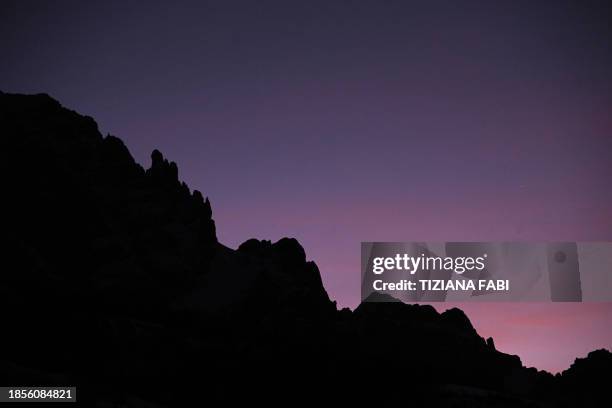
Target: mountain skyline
120	267
338	123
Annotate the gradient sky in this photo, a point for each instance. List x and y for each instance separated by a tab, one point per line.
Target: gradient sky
337	122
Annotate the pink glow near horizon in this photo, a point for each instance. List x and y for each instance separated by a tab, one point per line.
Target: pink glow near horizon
547	336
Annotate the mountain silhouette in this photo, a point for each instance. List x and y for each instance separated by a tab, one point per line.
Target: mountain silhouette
114	282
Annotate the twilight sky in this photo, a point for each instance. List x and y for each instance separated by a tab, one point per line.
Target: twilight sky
337	122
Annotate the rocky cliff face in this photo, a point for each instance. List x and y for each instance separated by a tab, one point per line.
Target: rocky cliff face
114	281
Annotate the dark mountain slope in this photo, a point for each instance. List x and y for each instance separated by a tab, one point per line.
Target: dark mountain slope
114	281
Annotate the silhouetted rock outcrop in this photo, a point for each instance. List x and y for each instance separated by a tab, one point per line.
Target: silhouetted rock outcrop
117	284
588	378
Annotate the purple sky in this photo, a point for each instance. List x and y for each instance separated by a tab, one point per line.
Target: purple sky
338	123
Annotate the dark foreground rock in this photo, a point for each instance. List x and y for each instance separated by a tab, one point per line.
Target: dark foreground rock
114	281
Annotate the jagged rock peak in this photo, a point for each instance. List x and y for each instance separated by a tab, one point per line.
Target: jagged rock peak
288	250
491	343
162	169
457	318
157	159
204	202
48	112
116	148
600	359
